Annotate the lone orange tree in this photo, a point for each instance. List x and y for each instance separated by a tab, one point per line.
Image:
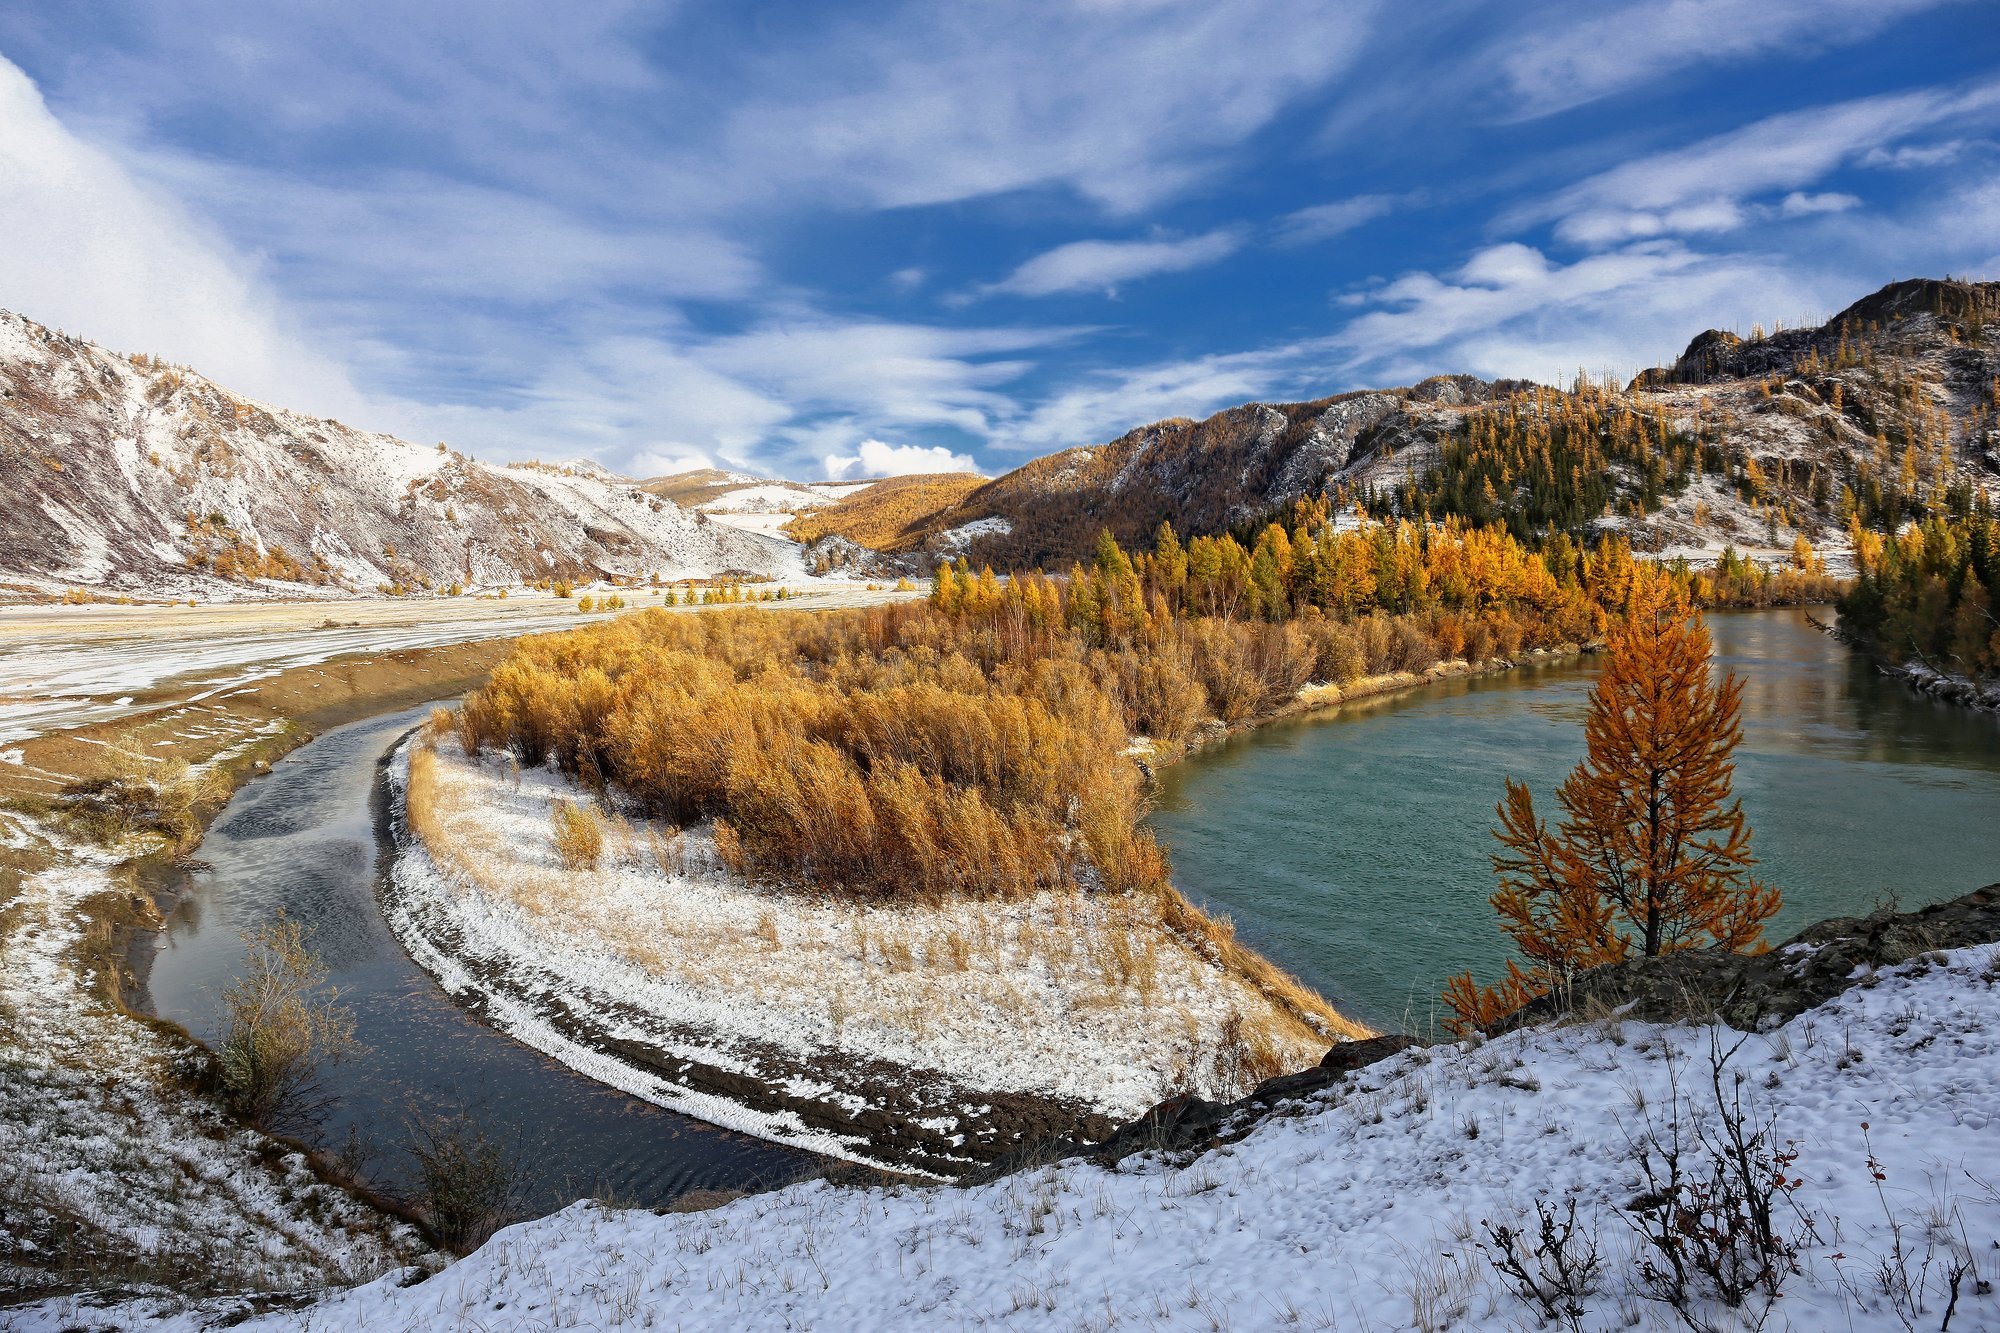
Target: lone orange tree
1653	852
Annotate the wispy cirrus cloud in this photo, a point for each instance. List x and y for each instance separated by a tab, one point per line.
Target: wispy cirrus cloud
1104	266
1323	222
660	233
1125	103
1704	187
1570	55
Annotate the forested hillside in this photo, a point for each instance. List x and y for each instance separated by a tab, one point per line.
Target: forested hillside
1883	414
1925	600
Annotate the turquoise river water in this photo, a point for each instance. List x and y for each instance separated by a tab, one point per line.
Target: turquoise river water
1351	846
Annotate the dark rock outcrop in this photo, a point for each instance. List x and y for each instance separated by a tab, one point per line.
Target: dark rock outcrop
1759	991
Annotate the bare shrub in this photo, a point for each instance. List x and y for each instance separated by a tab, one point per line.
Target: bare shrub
1554	1268
282	1024
578	831
1718	1214
468	1183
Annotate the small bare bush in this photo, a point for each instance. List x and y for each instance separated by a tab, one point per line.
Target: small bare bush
282	1025
468	1184
1554	1268
1718	1214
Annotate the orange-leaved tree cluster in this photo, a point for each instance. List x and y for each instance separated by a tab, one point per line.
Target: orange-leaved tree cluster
1653	852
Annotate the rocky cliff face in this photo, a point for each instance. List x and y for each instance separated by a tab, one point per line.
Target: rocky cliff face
124	475
1888	407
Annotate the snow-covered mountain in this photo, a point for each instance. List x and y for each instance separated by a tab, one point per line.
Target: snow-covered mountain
122	474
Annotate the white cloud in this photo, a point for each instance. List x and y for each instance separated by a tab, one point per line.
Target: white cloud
1086	266
1107	404
1799	204
1511	312
1125	102
878	459
1914	155
1582	52
885	374
93	251
1323	222
1704	187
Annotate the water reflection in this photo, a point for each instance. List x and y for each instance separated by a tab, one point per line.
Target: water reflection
303	840
1353	847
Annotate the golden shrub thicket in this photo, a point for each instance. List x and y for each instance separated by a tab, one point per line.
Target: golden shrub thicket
974	744
888	753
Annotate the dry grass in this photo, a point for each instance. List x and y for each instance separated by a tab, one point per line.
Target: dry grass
890	514
578	832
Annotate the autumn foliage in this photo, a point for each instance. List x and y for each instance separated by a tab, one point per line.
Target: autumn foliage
1653	853
1931	594
975	744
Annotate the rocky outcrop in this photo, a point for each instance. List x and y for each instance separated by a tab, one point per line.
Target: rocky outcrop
1759	991
1194	1124
1204	476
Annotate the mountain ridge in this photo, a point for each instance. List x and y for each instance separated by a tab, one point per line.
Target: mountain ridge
1921	370
124	474
127	475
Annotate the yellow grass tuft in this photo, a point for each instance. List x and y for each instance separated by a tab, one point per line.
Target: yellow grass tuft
578	832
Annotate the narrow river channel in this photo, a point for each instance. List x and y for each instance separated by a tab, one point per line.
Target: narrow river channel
304	840
1352	846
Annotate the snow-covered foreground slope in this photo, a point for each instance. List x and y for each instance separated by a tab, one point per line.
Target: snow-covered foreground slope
1369	1207
120	473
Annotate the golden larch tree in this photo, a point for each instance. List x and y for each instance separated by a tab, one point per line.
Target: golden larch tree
1653	853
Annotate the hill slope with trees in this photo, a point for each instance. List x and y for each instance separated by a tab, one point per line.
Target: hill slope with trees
1883	414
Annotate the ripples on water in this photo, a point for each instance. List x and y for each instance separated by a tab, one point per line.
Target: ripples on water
303	840
1352	847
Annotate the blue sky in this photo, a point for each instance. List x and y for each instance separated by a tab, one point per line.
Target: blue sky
823	240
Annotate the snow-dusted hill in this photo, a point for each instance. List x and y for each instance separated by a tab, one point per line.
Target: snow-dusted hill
755	504
1789	420
124	475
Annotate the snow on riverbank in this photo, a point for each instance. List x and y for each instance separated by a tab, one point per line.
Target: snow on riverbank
106	1164
71	666
1362	1209
1083	999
